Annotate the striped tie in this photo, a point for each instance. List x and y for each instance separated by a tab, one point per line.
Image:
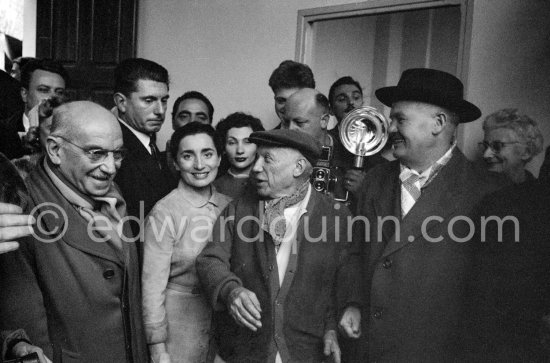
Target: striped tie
410	191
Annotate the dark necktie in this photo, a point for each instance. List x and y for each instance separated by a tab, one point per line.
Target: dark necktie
155	152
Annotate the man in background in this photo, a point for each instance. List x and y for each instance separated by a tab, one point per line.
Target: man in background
41	79
286	79
141	95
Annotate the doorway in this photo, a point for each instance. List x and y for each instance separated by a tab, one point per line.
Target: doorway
375	41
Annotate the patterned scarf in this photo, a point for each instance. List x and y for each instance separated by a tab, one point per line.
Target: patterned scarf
274	219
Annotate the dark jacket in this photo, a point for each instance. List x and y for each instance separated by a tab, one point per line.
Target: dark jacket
507	315
141	180
77	299
10	142
295	316
413	288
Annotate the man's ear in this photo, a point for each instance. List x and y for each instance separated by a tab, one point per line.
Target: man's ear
120	102
53	149
324	120
300	167
441	120
24	93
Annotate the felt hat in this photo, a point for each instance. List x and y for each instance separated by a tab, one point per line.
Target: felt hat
430	86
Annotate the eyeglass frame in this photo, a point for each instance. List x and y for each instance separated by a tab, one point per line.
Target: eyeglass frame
92	153
491	145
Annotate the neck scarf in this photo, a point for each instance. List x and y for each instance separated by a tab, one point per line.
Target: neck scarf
274	219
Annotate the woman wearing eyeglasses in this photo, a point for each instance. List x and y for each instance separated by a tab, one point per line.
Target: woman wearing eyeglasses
176	313
511	141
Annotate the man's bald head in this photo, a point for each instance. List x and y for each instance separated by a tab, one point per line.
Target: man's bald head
72	118
85	145
307	110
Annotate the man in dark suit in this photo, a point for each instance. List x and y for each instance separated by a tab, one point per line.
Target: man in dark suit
41	79
413	269
141	94
274	260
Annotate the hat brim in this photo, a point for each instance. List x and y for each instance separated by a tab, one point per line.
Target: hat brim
465	110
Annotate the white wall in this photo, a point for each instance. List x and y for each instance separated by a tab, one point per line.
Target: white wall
510	64
228	49
225	48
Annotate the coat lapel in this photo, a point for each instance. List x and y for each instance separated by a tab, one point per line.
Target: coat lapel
386	204
262	245
69	227
139	155
438	199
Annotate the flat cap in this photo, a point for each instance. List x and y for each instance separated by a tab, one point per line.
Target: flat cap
304	143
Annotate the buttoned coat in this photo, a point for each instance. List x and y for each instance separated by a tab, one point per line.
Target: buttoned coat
296	315
410	273
76	298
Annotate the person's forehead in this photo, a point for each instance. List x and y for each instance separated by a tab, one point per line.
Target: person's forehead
286	92
346	88
147	87
193	105
300	106
196	142
41	76
501	134
238	132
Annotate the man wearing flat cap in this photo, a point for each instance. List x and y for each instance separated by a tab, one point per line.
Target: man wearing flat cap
272	268
413	269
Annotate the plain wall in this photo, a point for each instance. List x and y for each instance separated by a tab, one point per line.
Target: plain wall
510	64
228	48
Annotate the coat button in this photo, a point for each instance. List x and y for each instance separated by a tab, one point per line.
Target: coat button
109	274
386	263
377	314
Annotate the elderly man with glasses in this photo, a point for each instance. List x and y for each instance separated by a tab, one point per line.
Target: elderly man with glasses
77	263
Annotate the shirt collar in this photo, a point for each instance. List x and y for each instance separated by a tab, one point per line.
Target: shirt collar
238	176
143	138
26	122
215	197
427	175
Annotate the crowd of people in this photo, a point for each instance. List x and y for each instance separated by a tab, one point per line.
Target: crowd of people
222	248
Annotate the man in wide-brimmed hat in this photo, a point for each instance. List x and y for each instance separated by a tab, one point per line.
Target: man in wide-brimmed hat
419	258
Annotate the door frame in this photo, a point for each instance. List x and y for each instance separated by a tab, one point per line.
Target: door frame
306	18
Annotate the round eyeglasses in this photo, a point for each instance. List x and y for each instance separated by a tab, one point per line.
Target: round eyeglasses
97	155
496	146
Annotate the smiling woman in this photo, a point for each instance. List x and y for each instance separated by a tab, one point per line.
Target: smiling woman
176	314
511	141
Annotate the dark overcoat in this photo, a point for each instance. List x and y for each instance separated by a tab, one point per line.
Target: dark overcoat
412	271
78	299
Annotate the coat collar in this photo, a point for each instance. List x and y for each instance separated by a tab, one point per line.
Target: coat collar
439	199
64	222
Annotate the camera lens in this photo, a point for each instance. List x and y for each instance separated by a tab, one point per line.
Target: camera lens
319	185
320	174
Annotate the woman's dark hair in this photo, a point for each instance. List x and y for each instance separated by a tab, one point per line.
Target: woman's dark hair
192	128
237	119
